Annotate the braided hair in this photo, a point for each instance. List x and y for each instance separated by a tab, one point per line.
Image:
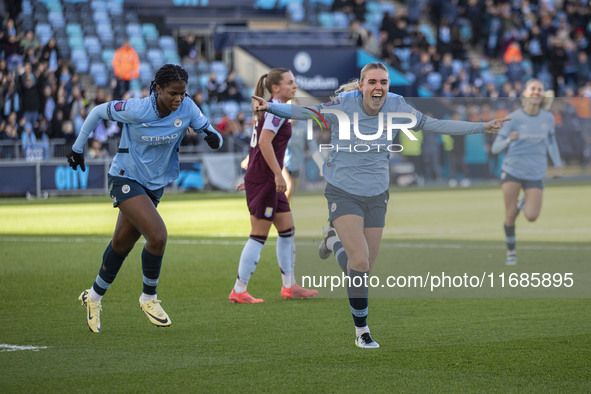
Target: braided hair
167	74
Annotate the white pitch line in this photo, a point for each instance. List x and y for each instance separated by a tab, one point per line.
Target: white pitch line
13	348
385	243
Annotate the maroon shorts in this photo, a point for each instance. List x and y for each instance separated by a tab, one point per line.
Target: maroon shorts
263	200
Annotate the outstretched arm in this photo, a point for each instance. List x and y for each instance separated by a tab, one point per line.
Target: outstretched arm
458	127
288	111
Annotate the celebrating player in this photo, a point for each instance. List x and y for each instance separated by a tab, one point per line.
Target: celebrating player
358	179
147	160
529	139
265	192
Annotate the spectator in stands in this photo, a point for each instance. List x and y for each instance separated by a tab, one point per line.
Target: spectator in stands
96	150
10	39
51	54
9	133
359	10
201	103
359	34
30	96
188	48
30	41
583	69
11	99
126	67
28	137
212	87
228	90
344	6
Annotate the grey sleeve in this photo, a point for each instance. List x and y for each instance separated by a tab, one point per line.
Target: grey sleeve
453	127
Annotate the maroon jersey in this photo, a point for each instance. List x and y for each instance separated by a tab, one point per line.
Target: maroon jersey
258	171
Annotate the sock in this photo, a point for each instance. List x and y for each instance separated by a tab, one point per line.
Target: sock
151	265
112	262
358	297
293	259
251	253
361	330
147	297
94	296
240	286
331	239
510	237
285	255
340	255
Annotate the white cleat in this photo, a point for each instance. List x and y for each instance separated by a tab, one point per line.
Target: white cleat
366	341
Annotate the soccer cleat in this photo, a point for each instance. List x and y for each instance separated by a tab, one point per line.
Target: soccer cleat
511	258
155	313
93	311
243	298
323	251
297	291
366	341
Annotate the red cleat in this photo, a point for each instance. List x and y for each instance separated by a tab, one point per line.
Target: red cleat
297	291
243	298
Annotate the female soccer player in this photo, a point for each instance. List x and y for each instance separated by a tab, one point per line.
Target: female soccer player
357	174
147	160
529	138
265	192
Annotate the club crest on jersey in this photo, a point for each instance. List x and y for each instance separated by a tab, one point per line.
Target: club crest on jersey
125	189
276	121
119	106
268	212
178	122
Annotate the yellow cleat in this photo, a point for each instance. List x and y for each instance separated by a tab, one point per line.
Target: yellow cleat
93	311
155	313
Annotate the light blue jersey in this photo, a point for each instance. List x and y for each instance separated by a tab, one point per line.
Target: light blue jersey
296	148
149	147
527	155
359	163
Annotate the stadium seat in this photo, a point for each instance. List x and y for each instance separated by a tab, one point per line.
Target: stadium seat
146	73
56	18
76	42
167	42
99	73
133	30
80	60
325	19
93	45
138	43
171	56
155	57
107	56
100	16
73	29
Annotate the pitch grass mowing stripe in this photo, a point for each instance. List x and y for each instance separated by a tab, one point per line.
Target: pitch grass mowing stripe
385	243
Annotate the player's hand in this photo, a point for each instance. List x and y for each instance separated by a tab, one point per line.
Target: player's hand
75	160
241	187
259	103
214	140
493	126
557	172
280	184
514	135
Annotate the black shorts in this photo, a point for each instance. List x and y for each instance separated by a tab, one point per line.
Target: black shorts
525	184
371	209
263	200
121	189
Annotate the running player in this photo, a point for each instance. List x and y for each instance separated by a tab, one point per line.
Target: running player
528	139
358	175
147	160
265	192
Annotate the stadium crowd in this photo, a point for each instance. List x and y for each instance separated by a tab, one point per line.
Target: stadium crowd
466	49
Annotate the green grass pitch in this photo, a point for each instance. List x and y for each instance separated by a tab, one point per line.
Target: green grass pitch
447	341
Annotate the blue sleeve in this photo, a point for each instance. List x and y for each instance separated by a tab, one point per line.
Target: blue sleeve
552	145
502	141
92	120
